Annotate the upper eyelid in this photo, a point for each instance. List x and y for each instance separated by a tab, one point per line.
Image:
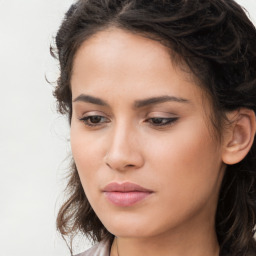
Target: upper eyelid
83	117
161	115
86	120
87	117
163	118
170	121
94	113
147	115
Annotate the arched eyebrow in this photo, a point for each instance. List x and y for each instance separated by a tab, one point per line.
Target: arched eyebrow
91	99
137	103
158	100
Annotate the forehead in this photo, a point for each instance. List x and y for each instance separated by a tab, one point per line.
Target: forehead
113	41
117	55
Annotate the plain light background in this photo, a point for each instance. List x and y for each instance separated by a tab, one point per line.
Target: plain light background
34	142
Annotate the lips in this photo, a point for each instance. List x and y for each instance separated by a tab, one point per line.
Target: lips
125	194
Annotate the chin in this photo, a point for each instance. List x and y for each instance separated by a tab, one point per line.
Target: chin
123	225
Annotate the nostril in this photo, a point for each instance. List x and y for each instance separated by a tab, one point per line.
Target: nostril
120	165
130	165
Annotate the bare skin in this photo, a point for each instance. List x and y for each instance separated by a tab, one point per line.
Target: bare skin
165	146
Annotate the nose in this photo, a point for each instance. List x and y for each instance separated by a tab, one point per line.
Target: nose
124	151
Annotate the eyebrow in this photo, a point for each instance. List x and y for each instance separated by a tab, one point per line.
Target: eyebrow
91	99
137	103
158	100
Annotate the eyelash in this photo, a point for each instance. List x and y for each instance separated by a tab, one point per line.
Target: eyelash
167	121
153	121
87	120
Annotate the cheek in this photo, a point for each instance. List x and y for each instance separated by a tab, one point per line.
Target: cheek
187	171
87	154
187	163
88	161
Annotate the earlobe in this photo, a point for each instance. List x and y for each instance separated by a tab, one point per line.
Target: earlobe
239	135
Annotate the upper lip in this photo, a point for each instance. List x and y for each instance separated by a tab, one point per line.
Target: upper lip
124	187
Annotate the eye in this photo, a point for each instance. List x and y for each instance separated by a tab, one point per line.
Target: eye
162	121
94	120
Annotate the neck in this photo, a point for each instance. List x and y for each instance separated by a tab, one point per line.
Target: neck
196	241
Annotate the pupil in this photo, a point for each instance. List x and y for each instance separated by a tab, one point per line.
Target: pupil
157	120
95	119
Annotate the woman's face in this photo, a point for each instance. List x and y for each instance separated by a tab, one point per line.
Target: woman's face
141	138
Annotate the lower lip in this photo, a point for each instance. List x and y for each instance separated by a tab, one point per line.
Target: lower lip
125	199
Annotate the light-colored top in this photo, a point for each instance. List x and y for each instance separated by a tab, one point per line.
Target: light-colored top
99	249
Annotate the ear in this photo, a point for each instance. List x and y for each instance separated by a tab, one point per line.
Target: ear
238	136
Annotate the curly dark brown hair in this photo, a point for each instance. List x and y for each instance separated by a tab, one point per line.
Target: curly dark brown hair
217	42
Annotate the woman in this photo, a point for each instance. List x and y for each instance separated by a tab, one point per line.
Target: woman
161	98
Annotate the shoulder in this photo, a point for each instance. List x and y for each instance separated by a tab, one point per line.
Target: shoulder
100	249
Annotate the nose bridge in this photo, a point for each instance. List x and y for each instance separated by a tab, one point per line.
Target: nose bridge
124	150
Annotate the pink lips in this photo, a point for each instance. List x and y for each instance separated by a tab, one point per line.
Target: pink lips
125	194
